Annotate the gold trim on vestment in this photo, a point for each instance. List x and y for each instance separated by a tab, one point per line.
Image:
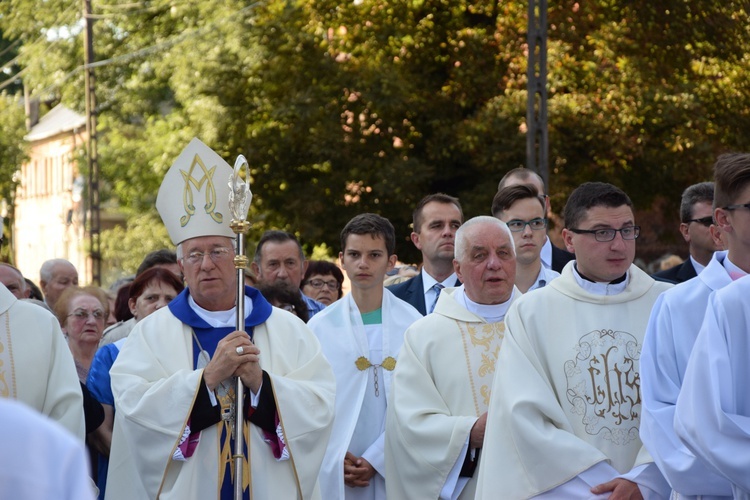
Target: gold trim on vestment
7	390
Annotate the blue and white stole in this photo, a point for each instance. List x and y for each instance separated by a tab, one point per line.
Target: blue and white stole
207	338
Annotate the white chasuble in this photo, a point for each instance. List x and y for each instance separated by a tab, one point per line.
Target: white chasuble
154	385
566	390
36	366
481	347
441	385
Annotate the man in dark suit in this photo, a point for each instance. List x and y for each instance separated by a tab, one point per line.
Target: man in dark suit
435	221
552	257
696	216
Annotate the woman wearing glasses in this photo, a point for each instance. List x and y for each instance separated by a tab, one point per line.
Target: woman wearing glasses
150	291
322	282
82	313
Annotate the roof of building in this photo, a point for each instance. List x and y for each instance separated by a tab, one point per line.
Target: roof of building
58	120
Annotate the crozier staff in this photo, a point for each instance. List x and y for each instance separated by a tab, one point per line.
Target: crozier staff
172	381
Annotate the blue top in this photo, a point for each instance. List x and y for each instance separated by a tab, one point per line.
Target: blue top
313	306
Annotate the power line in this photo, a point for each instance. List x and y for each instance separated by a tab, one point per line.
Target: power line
30	46
132	55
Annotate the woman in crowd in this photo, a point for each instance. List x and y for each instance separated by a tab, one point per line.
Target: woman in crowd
323	281
151	290
82	313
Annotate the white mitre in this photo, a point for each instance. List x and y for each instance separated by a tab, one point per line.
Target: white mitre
193	199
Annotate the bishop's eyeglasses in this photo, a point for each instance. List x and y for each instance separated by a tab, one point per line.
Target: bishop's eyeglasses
215	254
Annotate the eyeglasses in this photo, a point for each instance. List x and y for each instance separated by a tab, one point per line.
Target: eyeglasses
83	315
287	307
332	285
518	225
216	255
735	207
604	235
705	221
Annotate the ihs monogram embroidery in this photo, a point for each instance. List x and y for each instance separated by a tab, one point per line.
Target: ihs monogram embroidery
603	384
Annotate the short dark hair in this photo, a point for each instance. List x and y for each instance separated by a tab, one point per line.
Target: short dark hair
283	292
122	308
416	216
506	197
697	193
589	195
731	176
374	225
323	268
163	256
522	173
276	236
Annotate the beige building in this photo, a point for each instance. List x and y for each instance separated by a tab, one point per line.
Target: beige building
49	204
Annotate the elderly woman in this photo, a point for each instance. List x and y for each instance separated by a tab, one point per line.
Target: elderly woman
323	281
151	290
82	313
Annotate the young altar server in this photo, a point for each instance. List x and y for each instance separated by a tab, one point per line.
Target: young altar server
674	325
713	408
361	335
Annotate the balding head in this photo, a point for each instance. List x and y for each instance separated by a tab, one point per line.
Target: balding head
55	276
13	281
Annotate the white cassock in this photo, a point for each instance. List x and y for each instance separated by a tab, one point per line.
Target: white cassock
36	366
40	459
440	387
154	384
674	325
566	403
713	409
344	340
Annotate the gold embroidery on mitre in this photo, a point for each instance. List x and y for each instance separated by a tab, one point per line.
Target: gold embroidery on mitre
187	193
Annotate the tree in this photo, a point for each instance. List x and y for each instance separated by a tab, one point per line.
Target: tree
369	105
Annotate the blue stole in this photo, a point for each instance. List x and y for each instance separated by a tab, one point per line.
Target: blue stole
209	337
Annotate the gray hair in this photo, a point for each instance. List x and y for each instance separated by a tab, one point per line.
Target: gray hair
45	272
462	242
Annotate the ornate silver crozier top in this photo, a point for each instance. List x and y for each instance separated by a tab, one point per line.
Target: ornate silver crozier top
240	195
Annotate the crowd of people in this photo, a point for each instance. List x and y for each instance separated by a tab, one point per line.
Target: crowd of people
503	367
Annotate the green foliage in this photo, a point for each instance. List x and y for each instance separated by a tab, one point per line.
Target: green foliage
369	105
123	249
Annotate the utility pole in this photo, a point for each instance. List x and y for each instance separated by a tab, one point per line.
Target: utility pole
94	226
537	135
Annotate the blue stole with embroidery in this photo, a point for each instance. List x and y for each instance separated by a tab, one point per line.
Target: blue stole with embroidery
209	337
